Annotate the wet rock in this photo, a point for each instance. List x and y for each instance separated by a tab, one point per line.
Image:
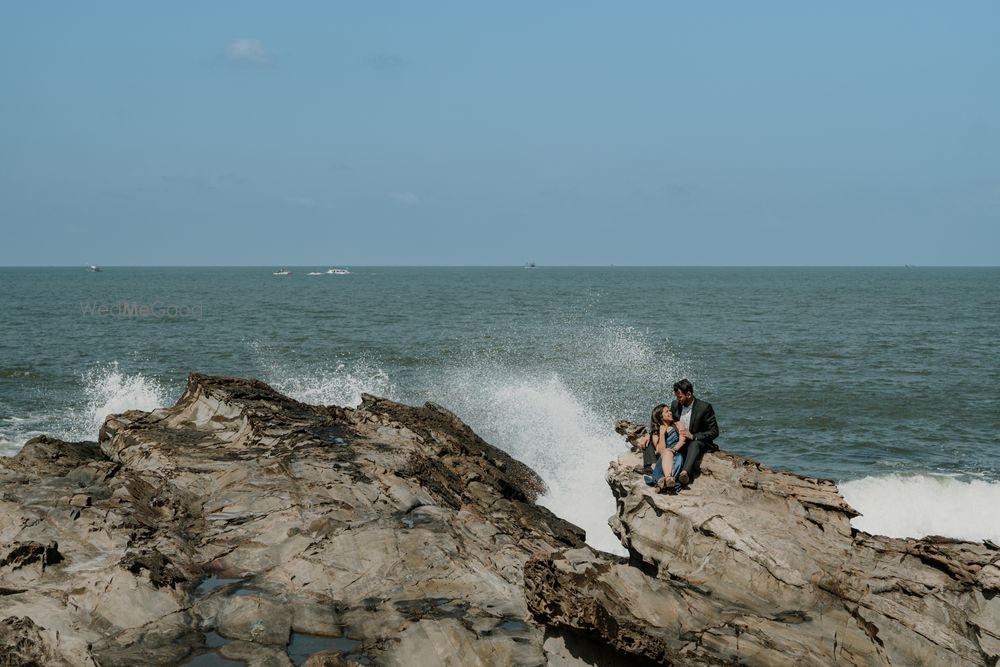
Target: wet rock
24	644
393	524
245	516
255	655
761	567
255	619
328	659
20	554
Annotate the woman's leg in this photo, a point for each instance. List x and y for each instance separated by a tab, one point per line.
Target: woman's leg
676	470
668	465
667	481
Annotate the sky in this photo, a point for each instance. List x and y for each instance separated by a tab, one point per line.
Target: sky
466	133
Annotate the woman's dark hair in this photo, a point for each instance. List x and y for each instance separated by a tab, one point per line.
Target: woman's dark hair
656	419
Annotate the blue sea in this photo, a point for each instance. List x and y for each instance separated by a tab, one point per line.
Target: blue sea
884	379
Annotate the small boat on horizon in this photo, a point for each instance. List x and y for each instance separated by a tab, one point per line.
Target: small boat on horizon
529	265
338	272
283	272
315	273
93	268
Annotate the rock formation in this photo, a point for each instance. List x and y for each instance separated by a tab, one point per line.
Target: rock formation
241	521
755	567
244	523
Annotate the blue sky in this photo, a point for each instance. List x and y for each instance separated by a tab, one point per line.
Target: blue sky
580	133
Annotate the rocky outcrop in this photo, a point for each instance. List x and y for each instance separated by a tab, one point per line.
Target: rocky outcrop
756	567
243	522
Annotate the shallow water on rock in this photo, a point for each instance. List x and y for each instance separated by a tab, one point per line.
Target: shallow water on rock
213	583
302	646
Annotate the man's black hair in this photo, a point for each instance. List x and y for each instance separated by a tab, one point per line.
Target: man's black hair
684	386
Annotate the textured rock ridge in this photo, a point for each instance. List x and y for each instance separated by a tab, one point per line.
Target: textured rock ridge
239	520
758	567
244	523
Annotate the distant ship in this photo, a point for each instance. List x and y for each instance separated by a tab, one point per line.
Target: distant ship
93	268
529	265
338	272
283	272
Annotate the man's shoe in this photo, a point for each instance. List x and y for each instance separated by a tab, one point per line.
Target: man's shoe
643	470
683	477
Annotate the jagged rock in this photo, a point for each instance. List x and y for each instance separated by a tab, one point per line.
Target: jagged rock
256	619
243	512
22	644
328	659
20	554
239	519
759	567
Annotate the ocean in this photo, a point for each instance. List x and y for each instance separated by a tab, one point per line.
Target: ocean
884	379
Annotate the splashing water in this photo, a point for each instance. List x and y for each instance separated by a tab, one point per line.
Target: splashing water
539	420
340	385
920	505
107	391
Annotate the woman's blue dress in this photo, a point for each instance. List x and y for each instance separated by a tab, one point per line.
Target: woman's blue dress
672	438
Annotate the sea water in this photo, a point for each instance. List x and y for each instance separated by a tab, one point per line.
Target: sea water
883	379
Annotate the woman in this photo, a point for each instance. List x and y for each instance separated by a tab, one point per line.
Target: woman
668	437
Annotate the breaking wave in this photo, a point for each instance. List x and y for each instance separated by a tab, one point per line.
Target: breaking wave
918	505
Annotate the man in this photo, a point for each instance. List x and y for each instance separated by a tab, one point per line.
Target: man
699	418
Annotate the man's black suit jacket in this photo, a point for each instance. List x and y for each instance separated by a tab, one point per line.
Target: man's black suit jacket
704	428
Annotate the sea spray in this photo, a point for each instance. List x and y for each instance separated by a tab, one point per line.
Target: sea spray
102	390
109	390
539	420
917	505
15	431
340	385
332	383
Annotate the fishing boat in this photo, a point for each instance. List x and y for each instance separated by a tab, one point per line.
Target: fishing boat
94	268
283	272
338	272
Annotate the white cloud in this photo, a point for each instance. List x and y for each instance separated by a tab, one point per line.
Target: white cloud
404	197
385	61
247	51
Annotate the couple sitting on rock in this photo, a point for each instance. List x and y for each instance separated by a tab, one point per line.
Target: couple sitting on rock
678	436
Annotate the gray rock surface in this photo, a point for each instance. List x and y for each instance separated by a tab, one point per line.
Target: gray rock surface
758	567
244	523
239	519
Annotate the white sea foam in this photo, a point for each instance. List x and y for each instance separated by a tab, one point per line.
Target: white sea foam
559	421
540	421
15	431
920	505
107	391
341	385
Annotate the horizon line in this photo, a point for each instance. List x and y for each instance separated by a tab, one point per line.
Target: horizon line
506	266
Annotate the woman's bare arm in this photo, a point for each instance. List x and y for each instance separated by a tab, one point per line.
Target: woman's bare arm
683	436
661	439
